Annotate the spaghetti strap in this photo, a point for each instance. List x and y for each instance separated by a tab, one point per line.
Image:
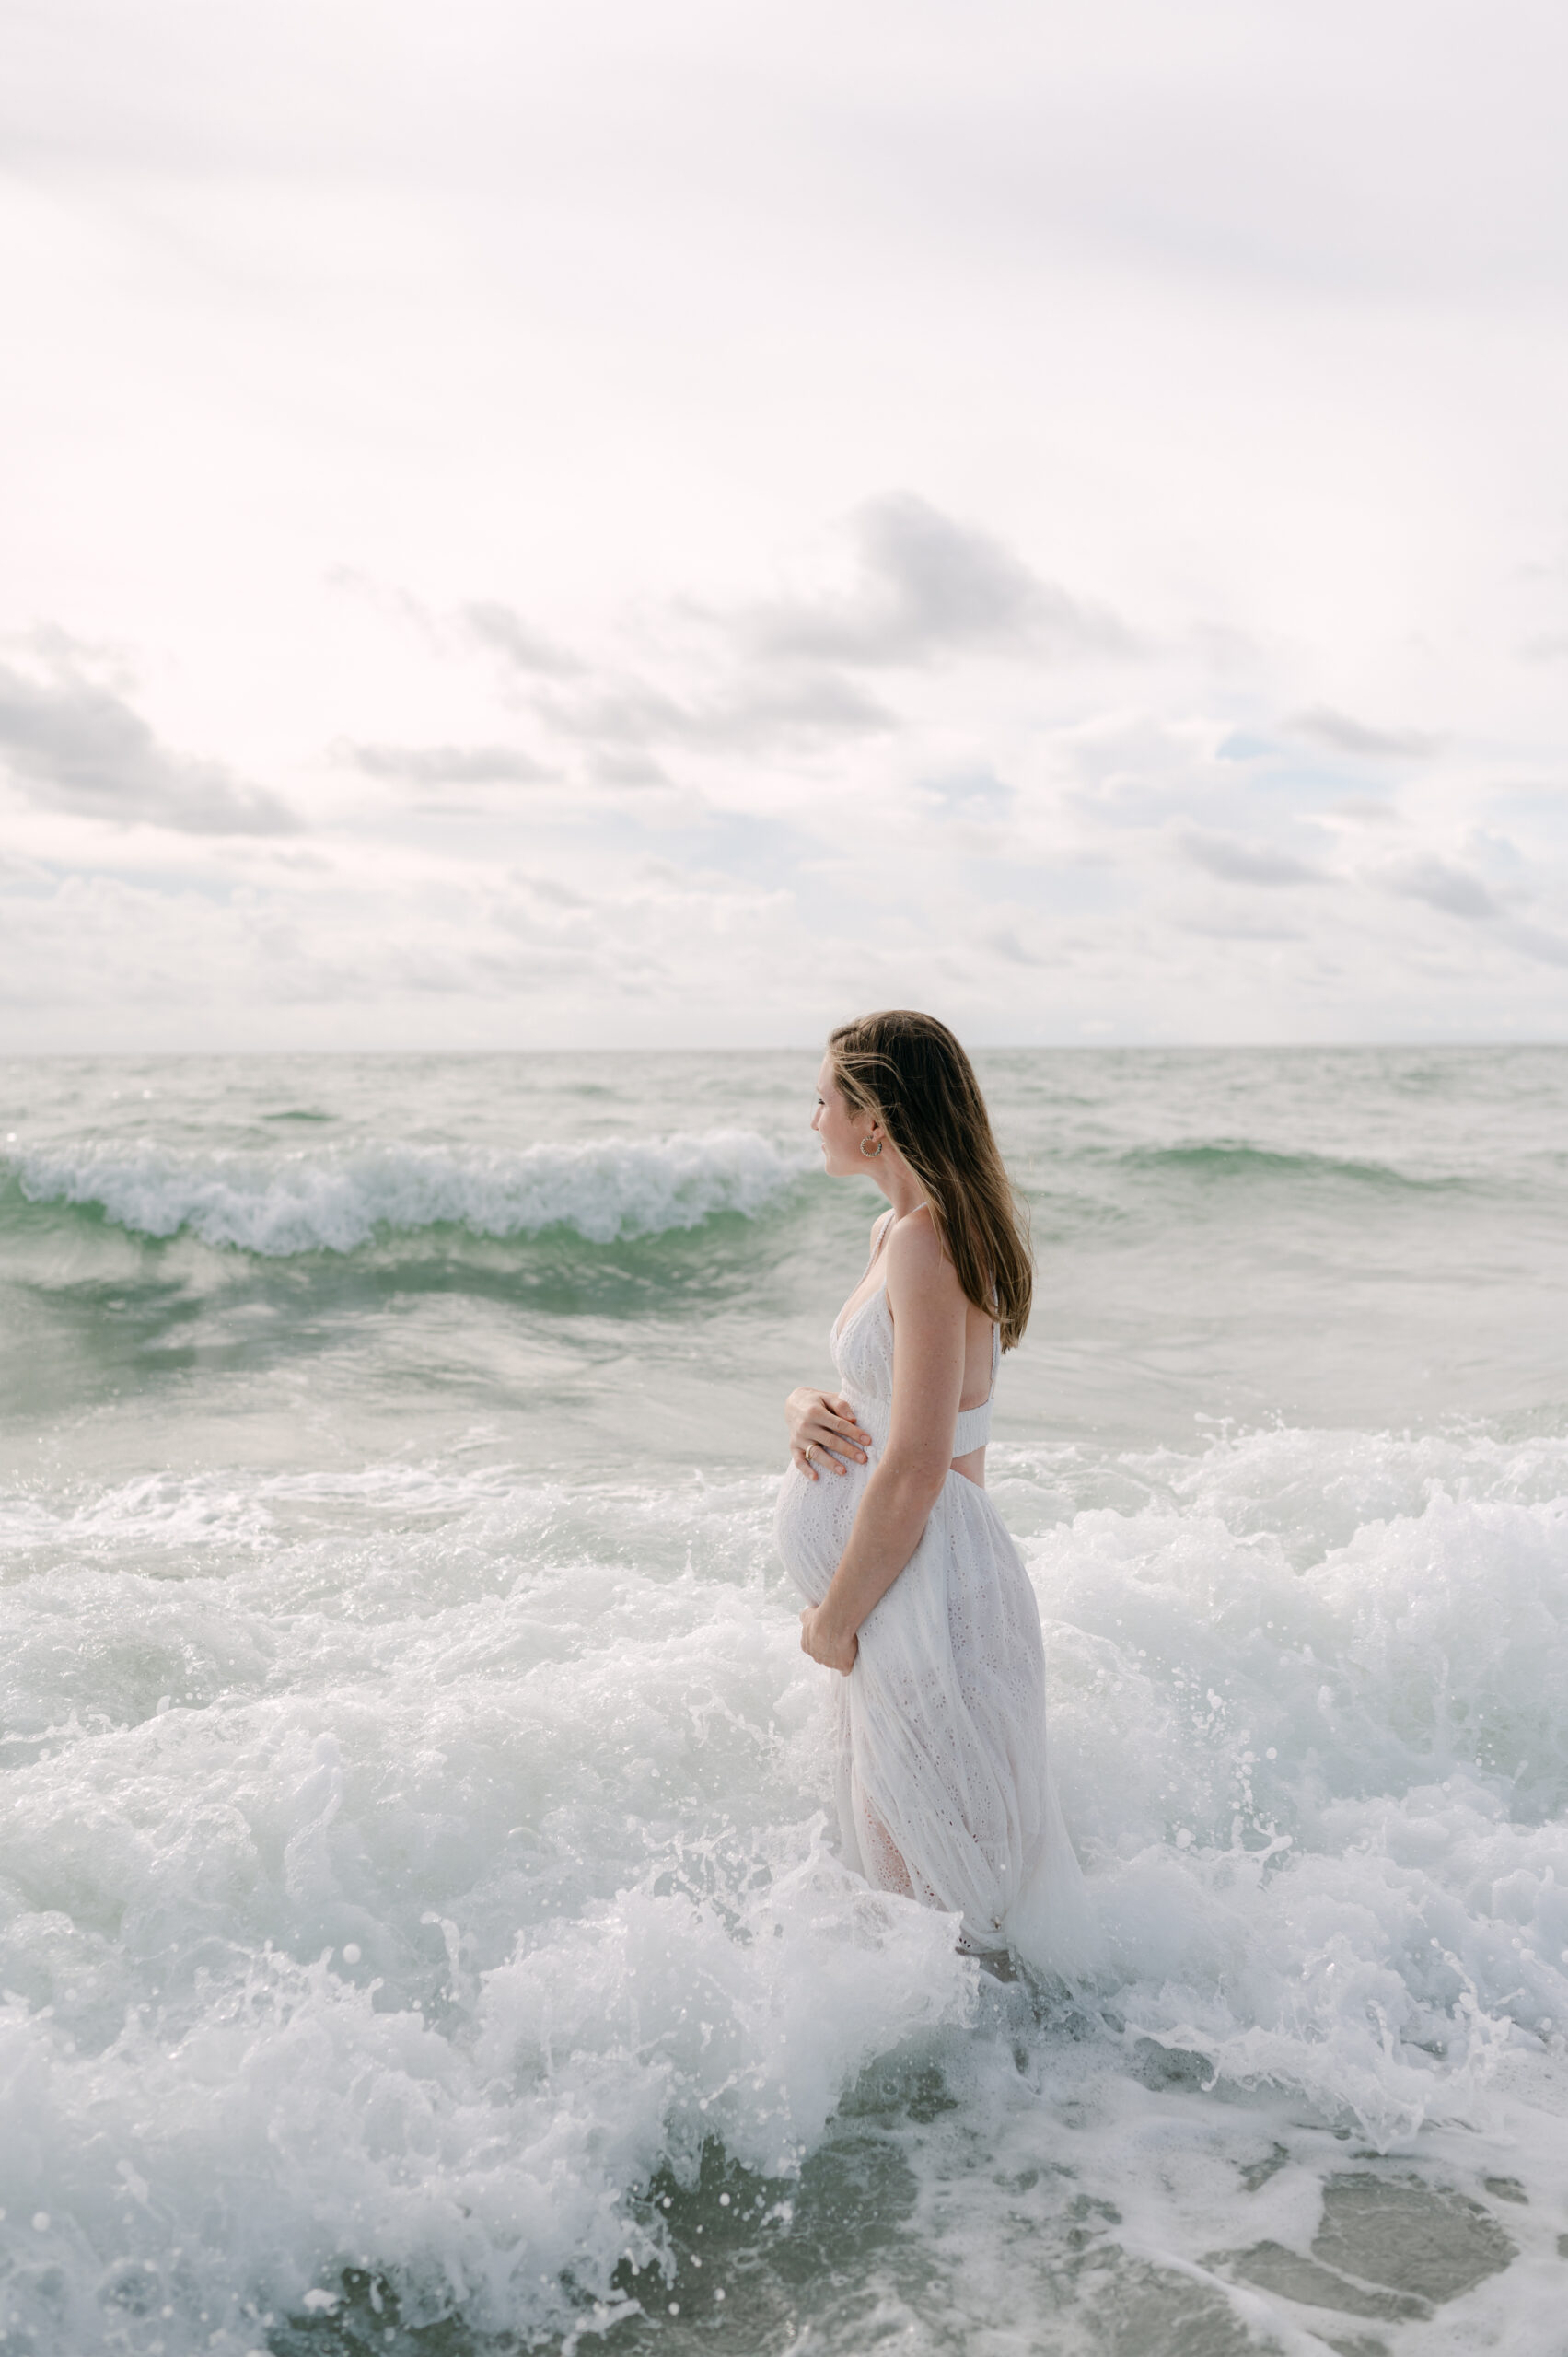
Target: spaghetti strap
879	1240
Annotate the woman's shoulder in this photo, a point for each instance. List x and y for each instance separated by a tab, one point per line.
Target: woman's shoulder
916	1254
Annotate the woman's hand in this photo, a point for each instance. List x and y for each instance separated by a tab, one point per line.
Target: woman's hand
825	1644
821	1421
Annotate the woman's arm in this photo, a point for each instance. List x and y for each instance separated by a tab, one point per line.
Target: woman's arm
929	1322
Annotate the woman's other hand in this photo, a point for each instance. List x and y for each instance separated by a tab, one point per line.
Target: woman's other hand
823	1422
825	1644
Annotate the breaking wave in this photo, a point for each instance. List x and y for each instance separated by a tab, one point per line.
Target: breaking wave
336	1201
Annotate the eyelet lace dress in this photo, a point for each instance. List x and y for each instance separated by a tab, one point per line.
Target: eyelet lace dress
942	1782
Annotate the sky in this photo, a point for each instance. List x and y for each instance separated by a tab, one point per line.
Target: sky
666	523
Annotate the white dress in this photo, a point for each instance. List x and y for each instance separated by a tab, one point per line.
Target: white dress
939	1732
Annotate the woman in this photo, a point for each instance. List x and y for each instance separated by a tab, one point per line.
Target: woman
915	1594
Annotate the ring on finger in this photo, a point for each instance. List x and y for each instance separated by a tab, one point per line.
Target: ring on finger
809	1446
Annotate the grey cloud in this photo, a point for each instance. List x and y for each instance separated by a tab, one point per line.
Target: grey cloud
549	888
1459	893
70	743
629	767
1238	862
1091	124
614	711
445	764
811	703
804	707
1360	809
1343	735
1238	928
1006	944
385	598
927	587
1453	889
1534	943
523	648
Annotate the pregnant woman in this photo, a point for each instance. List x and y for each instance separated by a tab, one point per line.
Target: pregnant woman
915	1594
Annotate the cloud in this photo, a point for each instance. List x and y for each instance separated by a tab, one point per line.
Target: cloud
1533	943
1240	927
520	646
1361	810
629	767
444	764
802	705
776	675
1453	889
927	587
1004	941
549	888
1343	735
978	796
1239	863
796	708
1459	893
71	743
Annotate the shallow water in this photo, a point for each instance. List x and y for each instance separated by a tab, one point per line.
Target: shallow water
415	1918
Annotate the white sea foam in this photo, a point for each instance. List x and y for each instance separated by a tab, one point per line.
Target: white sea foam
328	1199
545	1758
257	1774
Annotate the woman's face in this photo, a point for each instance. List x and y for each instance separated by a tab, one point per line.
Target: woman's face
839	1128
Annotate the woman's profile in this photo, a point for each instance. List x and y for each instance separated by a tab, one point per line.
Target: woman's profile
914	1591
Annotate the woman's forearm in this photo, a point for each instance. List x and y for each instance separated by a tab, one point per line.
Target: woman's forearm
893	1514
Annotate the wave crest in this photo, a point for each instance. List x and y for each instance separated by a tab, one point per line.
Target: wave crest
335	1201
1234	1158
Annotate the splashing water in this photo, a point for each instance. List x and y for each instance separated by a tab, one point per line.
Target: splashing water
417	1925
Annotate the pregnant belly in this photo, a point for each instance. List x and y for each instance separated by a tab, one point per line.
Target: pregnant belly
811	1525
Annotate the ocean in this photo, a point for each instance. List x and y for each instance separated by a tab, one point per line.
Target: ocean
419	1929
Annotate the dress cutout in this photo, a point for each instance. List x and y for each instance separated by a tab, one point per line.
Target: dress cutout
942	1788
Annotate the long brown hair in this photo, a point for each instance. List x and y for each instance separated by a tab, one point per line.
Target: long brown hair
910	1073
